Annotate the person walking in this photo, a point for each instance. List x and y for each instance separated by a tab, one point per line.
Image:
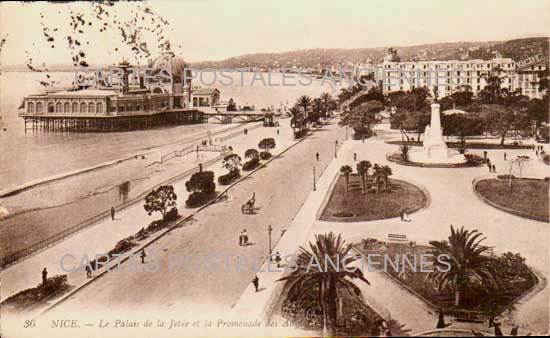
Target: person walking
44	276
241	239
317	156
485	154
88	272
494	168
113	213
256	282
278	259
402	213
245	238
355	156
504	156
143	255
277	132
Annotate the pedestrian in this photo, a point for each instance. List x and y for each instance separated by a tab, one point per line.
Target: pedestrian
278	259
494	168
402	213
143	255
245	131
245	237
256	282
355	156
537	152
317	156
277	132
489	165
112	213
88	272
504	156
485	154
241	239
44	276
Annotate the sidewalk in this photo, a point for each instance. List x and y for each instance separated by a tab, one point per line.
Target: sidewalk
102	236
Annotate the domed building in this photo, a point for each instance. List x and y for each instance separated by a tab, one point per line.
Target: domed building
174	77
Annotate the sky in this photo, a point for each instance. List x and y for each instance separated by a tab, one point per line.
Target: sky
220	29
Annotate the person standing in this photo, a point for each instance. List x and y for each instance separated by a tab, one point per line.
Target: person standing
112	213
245	237
256	282
494	168
505	156
317	156
44	276
278	259
241	239
277	132
402	214
88	272
355	156
143	255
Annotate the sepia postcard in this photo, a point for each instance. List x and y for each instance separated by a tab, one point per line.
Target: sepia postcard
240	168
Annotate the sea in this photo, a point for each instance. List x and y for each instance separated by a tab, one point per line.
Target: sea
34	156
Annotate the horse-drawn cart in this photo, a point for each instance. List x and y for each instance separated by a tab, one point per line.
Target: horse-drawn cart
248	207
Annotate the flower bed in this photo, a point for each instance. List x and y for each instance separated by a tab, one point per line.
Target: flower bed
471	161
469	145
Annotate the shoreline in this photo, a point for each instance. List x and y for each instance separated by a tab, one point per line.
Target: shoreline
12	191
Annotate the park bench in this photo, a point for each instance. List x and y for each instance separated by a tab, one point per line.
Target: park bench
397	238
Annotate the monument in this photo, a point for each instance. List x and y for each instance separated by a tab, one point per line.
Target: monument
434	149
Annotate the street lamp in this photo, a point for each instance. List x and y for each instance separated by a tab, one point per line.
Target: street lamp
269	229
314	180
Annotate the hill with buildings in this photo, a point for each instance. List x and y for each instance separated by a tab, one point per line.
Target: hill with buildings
516	49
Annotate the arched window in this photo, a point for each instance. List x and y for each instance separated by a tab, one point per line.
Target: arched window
58	107
30	107
39	107
121	108
51	108
67	107
75	107
83	108
100	108
91	108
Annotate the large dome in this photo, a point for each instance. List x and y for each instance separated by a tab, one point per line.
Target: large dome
168	62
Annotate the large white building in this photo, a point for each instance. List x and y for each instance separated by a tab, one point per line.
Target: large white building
447	77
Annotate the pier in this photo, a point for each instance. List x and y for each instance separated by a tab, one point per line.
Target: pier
105	123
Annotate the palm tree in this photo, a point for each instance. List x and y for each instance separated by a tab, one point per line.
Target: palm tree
326	98
313	270
382	172
466	264
346	170
363	170
304	102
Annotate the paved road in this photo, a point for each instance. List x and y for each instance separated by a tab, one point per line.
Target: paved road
280	189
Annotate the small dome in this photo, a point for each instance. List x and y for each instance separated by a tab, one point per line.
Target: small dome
169	62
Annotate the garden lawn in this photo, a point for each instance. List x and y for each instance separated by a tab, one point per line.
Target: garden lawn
354	206
528	197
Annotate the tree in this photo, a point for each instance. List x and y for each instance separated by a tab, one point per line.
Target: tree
519	162
251	153
363	171
461	125
232	163
404	149
163	200
381	174
266	144
326	99
304	102
346	170
231	106
362	118
467	262
315	271
538	111
502	120
202	182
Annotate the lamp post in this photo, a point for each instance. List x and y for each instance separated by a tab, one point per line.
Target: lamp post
269	229
314	180
346	133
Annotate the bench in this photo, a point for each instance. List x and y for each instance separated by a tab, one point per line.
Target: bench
397	238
